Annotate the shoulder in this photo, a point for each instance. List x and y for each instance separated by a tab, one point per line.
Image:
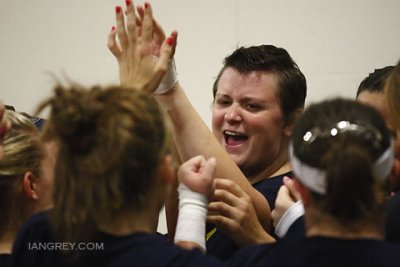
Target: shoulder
33	234
319	251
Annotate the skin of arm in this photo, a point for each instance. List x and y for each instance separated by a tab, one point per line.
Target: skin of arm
232	210
192	137
143	39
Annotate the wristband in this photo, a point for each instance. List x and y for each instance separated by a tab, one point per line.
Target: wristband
288	218
191	226
169	80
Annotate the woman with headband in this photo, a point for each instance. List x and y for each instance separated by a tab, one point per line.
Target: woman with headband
341	156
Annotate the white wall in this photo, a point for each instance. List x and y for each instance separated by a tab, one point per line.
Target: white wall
335	43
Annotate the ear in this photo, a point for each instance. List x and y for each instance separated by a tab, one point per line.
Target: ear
166	170
304	192
287	130
29	186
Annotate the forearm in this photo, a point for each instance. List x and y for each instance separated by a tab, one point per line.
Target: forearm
192	137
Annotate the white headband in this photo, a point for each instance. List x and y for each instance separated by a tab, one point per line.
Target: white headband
315	178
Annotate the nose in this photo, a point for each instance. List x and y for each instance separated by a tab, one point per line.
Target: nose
233	114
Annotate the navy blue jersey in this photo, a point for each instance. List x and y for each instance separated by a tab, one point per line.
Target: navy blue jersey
35	246
5	260
319	251
221	245
392	233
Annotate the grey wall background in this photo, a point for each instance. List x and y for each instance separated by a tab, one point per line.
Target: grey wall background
335	43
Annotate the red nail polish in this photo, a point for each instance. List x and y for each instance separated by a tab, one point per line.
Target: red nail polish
170	41
118	9
146	5
128	2
112	28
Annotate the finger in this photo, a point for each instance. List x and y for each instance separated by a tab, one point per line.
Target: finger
230	186
121	32
139	19
147	25
174	35
223	208
209	169
222	222
158	38
225	196
274	217
289	183
166	53
131	22
284	191
192	164
159	32
112	43
140	11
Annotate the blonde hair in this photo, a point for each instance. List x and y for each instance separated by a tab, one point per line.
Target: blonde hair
23	152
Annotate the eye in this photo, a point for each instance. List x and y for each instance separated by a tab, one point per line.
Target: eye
252	107
223	102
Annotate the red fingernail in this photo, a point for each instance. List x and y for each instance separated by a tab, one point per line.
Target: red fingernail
170	41
146	5
118	9
128	2
112	28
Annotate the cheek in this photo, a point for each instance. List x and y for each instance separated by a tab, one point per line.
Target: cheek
217	119
267	123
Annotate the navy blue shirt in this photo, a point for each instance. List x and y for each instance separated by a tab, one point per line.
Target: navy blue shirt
35	246
319	251
220	244
392	229
5	260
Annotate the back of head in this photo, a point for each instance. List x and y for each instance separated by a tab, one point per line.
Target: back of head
23	152
341	151
111	142
292	89
393	93
375	80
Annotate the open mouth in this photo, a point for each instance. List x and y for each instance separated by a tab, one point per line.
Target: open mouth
234	138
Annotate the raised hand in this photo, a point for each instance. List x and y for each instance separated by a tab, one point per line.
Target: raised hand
197	174
134	49
287	197
232	211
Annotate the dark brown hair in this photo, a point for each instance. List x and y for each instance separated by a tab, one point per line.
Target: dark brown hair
111	142
292	86
352	193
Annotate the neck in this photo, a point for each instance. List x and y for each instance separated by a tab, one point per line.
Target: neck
327	226
279	168
126	223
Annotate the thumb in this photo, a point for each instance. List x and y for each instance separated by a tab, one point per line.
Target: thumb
209	168
289	183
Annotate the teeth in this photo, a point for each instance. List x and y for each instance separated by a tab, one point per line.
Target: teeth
232	133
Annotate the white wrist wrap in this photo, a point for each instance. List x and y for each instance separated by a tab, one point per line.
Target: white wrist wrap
169	80
191	224
288	218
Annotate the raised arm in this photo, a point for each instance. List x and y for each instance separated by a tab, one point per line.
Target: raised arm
191	135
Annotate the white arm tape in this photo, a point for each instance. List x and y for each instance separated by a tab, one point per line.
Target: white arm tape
191	224
169	80
288	218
